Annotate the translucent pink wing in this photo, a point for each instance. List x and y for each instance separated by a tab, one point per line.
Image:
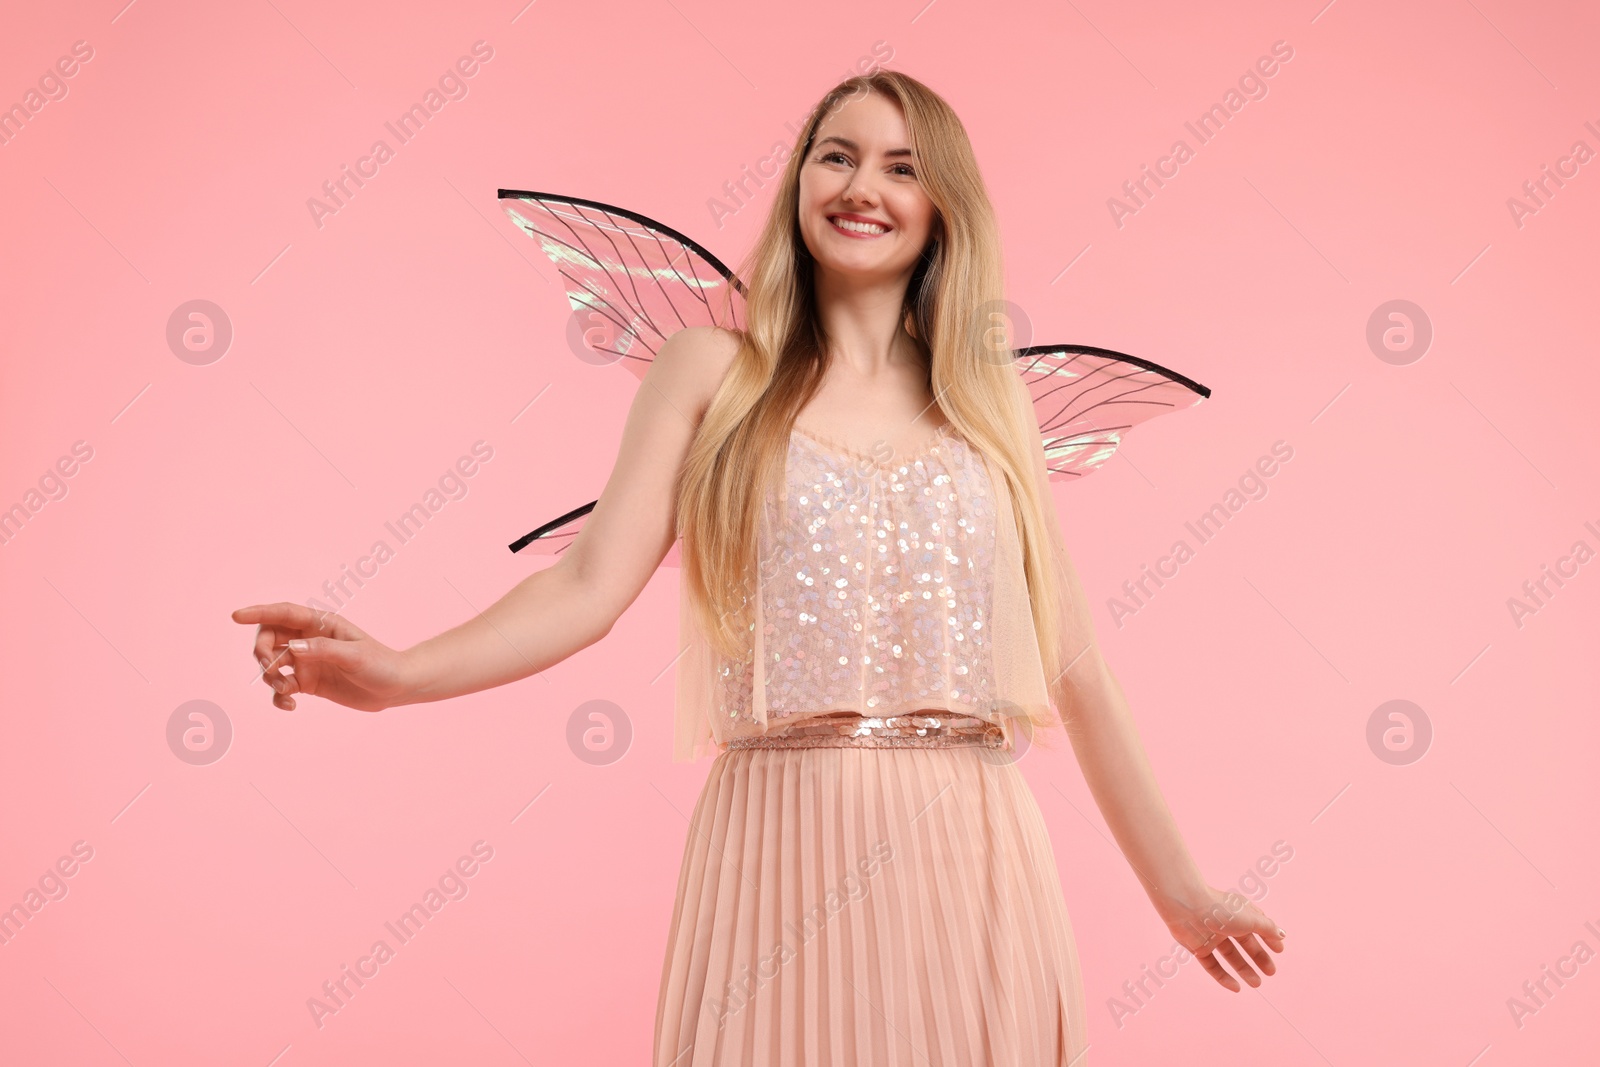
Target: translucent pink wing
634	282
1087	400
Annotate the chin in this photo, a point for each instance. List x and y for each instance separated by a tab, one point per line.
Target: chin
865	272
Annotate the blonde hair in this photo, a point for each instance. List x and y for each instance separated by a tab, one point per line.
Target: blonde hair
741	445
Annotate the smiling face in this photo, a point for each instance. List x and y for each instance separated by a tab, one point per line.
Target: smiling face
862	211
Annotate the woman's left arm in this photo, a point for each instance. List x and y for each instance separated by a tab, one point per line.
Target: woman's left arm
1203	919
1106	743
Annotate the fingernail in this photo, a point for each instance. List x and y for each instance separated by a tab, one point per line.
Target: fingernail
298	645
1281	933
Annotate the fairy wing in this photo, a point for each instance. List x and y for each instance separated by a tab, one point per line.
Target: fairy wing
633	281
1088	398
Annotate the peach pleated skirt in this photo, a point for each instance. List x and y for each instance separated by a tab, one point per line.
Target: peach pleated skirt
840	907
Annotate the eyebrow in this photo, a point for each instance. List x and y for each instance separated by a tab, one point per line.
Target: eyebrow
856	148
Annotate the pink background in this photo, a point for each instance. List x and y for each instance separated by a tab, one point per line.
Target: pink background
370	353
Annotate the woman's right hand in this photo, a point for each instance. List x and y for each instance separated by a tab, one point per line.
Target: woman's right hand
329	655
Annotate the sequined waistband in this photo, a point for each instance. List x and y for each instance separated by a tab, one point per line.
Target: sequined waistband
918	730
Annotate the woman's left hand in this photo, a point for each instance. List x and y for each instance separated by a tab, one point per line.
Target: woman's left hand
1222	926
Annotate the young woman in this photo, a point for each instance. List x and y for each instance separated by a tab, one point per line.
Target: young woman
878	612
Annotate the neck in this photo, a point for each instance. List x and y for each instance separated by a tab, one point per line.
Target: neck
863	321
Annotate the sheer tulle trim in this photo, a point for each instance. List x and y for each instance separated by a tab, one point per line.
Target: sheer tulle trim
929	447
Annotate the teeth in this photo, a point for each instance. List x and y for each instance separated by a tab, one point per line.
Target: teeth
859	227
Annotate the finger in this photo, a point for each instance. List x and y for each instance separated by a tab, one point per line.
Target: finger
280	683
1254	921
264	614
284	702
1258	953
269	650
273	656
339	627
288	616
316	651
1217	971
331	624
1230	952
282	613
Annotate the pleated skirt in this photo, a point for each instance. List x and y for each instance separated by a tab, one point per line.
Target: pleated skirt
839	907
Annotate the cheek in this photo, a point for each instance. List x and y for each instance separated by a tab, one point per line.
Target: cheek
814	196
918	218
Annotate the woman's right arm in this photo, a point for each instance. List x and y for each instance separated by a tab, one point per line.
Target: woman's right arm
553	612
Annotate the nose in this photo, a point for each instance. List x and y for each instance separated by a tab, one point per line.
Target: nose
859	190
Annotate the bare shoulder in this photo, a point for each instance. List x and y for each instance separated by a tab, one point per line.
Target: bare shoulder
692	364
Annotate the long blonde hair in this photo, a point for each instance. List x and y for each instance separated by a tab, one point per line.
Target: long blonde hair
743	439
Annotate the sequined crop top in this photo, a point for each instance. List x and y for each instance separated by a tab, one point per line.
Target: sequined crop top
884	587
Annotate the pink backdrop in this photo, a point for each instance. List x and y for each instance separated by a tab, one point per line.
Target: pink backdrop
372	347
